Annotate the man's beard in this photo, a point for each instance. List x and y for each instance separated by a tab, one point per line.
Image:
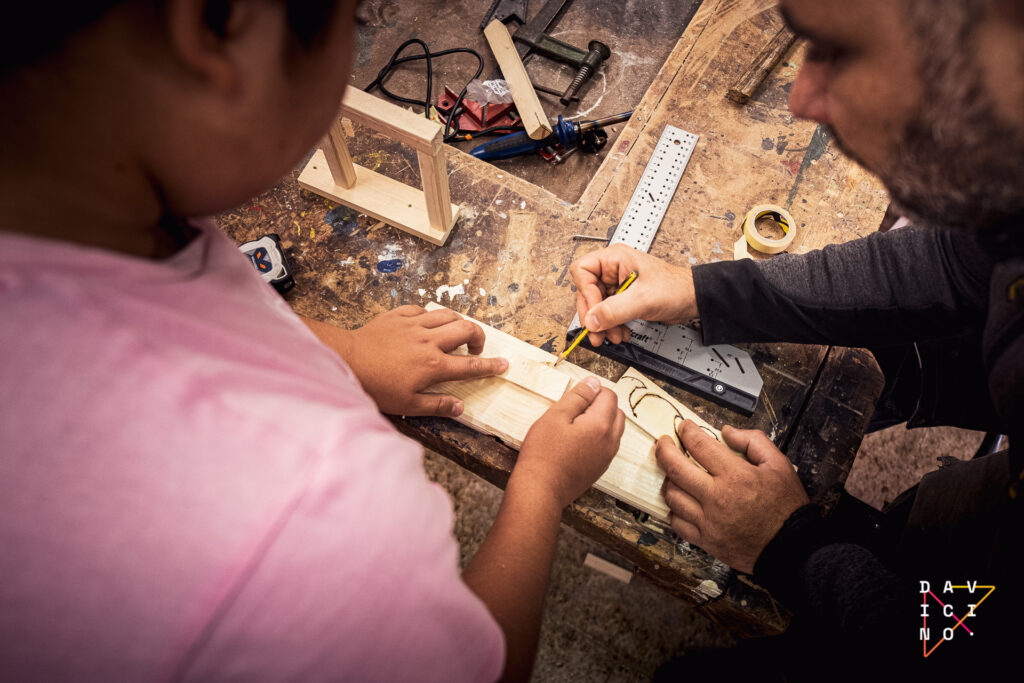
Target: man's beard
971	177
957	164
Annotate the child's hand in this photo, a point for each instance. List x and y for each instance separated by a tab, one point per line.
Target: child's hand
570	446
399	354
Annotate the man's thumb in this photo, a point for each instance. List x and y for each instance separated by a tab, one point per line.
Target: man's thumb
615	310
758	448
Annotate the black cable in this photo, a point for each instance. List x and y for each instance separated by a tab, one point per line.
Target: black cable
378	82
493	129
386	71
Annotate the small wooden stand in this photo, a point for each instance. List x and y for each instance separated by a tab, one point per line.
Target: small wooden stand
426	213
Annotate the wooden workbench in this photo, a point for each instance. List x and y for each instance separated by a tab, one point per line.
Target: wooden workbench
506	264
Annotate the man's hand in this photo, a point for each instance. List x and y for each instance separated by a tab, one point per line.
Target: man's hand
735	508
662	292
570	446
399	354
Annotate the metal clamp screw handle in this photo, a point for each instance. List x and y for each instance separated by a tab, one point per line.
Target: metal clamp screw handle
598	53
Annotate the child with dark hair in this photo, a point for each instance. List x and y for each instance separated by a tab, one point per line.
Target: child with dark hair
195	482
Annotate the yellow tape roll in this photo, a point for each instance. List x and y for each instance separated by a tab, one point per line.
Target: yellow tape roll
763	244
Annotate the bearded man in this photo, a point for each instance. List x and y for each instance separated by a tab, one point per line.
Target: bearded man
929	95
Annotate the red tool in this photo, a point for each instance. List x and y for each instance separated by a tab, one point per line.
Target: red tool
474	117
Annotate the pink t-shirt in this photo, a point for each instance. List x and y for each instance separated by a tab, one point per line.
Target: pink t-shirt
193	487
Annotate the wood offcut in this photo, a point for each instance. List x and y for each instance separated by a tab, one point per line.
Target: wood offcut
745	85
535	121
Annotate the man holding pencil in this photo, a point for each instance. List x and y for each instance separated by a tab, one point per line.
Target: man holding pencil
930	96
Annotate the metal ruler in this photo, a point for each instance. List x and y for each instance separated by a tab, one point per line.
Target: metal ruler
722	373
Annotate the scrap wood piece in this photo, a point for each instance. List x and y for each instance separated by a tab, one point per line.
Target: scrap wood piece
746	84
608	568
531	113
537	377
506	406
339	161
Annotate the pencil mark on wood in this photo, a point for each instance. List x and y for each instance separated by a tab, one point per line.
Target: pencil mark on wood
635	401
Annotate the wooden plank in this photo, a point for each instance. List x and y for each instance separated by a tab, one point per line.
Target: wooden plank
434	173
537	377
651	406
535	121
398	124
500	407
377	195
607	568
762	65
338	159
506	406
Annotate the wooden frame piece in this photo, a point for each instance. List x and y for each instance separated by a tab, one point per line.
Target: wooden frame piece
607	568
428	213
744	87
506	406
535	121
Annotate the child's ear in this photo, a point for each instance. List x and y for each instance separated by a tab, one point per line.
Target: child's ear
200	32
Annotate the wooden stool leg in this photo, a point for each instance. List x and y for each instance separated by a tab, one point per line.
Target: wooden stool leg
338	159
435	188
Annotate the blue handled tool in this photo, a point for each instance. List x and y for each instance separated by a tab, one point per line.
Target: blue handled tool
567	134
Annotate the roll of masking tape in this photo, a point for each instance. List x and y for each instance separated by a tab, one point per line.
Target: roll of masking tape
767	245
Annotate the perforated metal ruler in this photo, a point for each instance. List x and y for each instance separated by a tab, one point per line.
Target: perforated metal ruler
722	373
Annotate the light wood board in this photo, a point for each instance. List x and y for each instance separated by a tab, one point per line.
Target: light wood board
608	568
506	406
377	195
397	123
335	149
535	121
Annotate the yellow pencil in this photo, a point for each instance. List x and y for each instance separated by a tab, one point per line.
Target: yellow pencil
586	330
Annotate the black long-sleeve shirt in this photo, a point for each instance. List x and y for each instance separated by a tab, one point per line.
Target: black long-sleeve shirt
902	286
941	290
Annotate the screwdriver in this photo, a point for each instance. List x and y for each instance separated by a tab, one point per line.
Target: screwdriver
566	134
